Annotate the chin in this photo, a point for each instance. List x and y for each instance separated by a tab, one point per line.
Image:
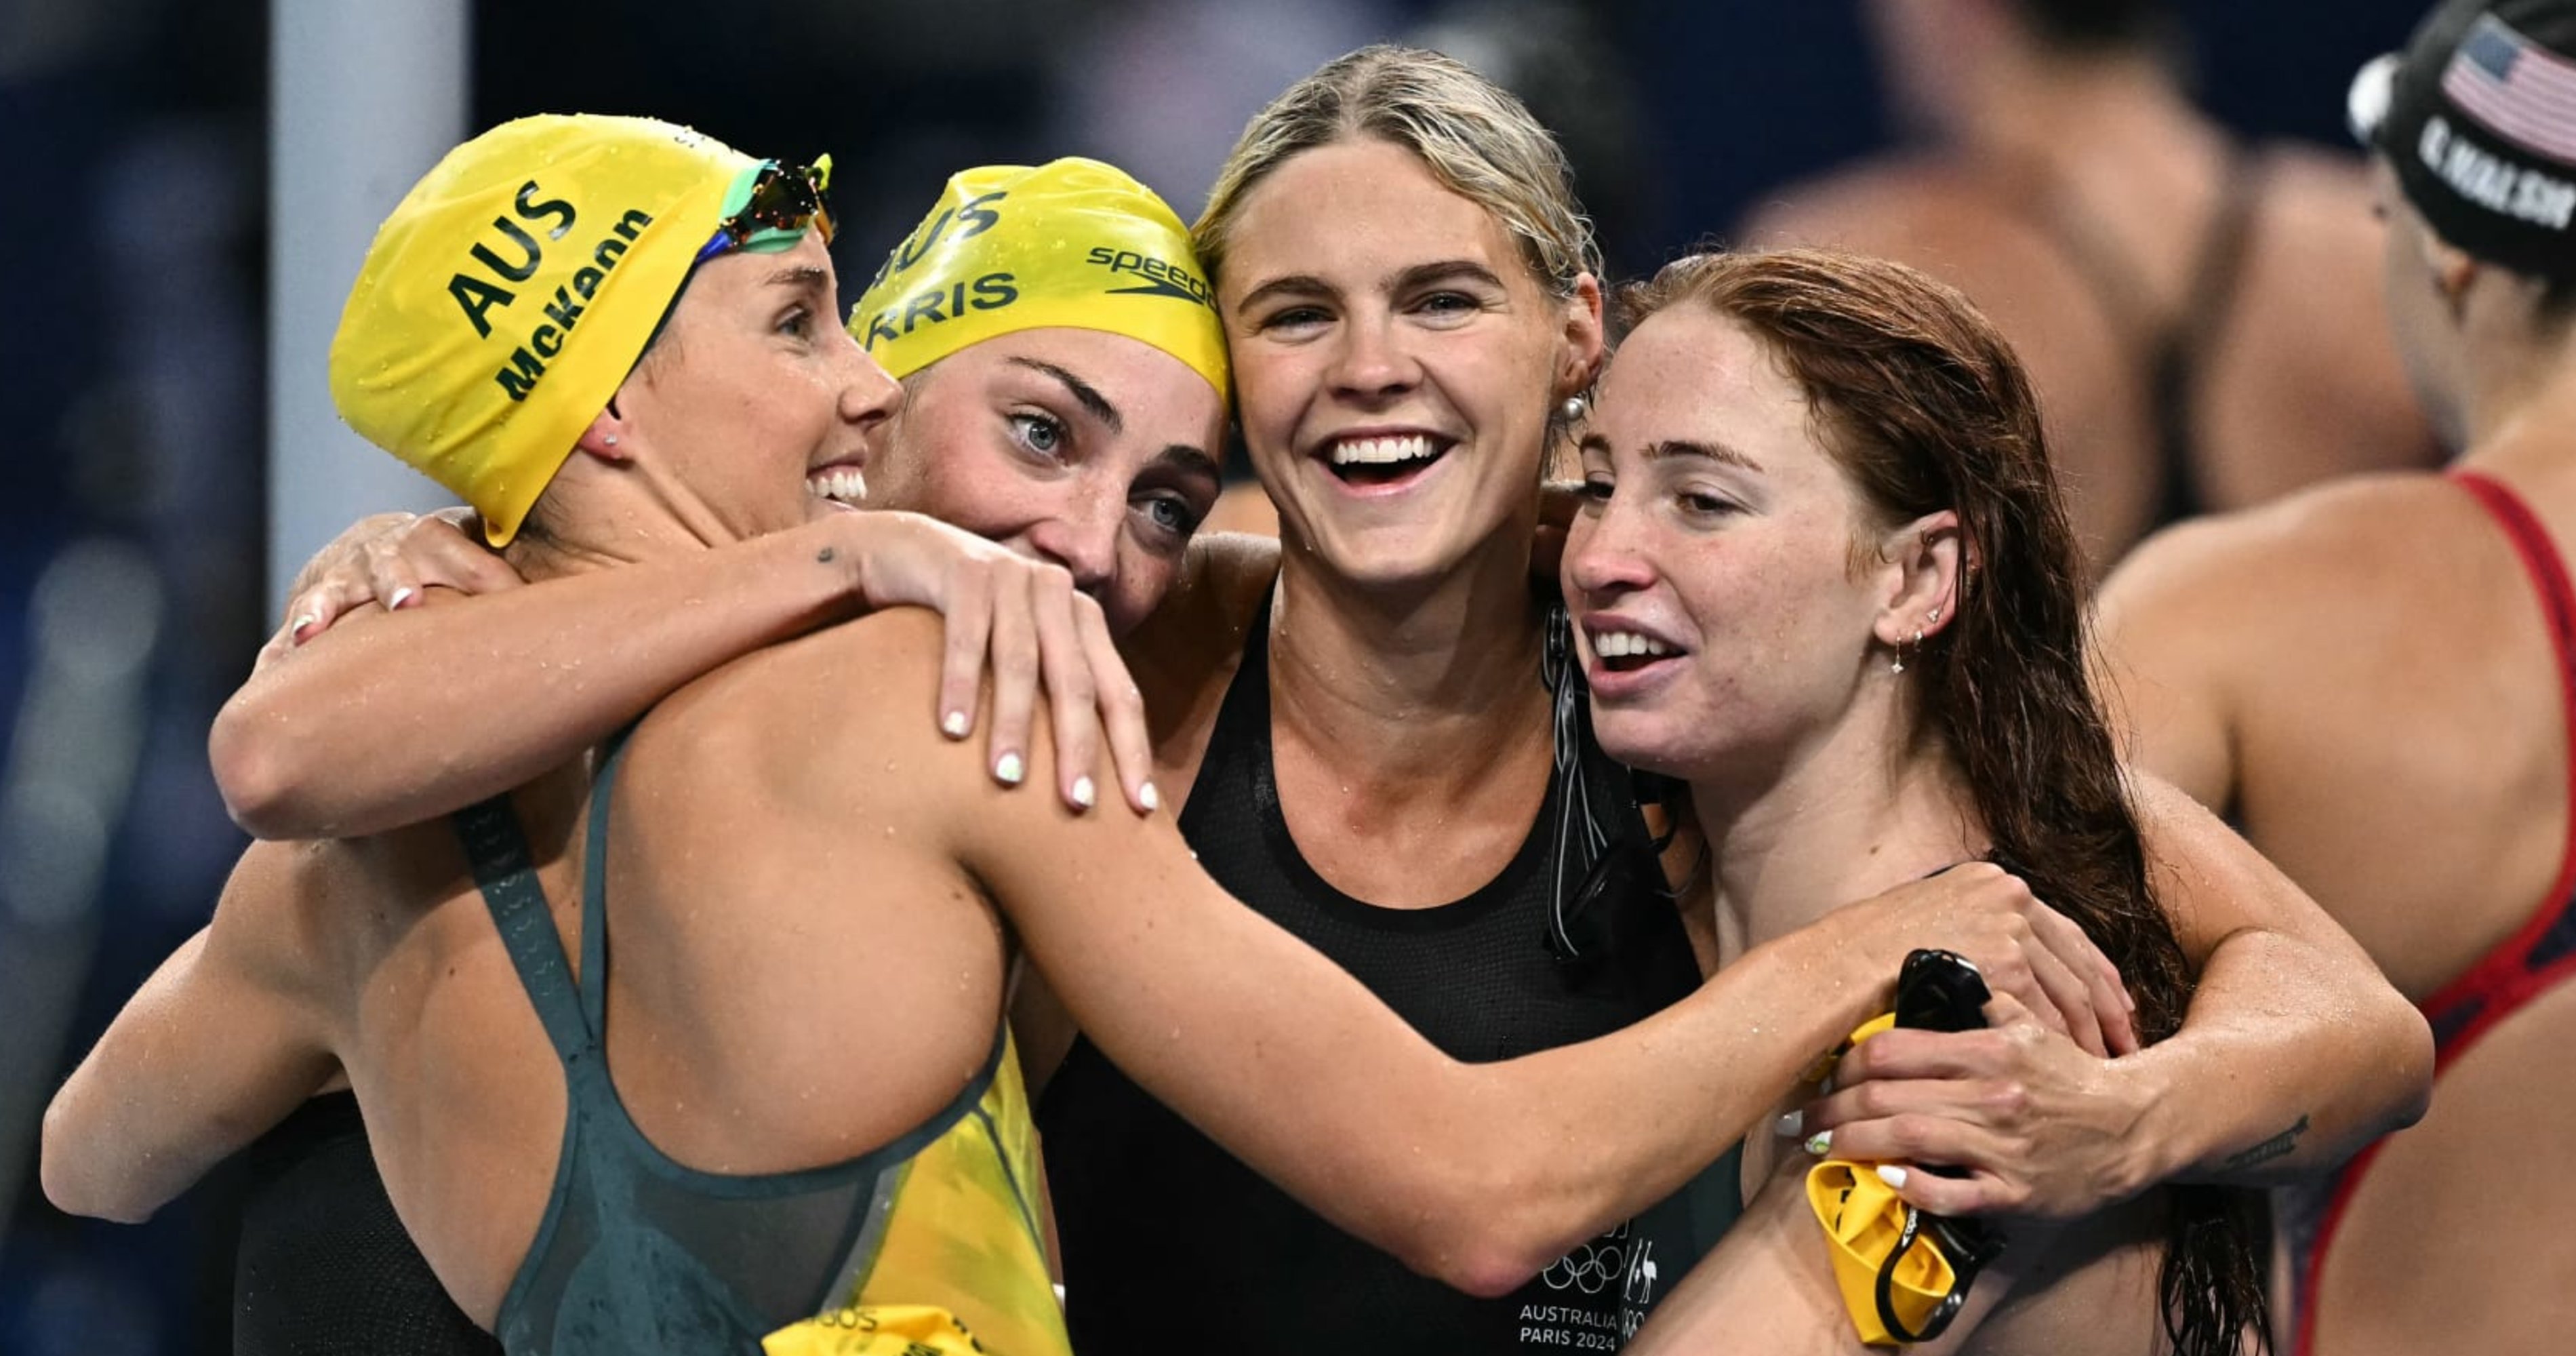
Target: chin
1635	738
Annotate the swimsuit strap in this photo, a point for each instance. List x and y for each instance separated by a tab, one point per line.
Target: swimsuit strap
505	871
594	890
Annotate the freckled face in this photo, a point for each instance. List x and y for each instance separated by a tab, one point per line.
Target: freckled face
1709	573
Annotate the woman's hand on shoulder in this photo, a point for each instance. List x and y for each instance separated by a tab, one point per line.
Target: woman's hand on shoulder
1023	622
389	558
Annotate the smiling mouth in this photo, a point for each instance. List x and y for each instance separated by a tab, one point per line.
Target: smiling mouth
1385	461
1627	652
841	484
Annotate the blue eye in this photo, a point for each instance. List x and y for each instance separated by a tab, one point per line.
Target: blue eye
1038	433
1173	514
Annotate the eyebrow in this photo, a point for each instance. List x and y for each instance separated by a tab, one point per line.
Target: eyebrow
1682	447
1420	274
1189	460
800	277
1594	445
1083	392
1293	285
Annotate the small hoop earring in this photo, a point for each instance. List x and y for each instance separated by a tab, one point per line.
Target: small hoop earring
1903	647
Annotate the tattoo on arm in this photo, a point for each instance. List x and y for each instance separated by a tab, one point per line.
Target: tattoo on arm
2277	1146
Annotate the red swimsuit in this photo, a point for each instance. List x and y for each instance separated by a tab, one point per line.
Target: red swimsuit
2539	954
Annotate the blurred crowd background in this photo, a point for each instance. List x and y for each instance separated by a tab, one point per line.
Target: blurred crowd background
135	150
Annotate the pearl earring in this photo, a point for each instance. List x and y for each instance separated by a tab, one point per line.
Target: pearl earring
1573	409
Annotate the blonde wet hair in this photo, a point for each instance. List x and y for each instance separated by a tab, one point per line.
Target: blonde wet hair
1476	137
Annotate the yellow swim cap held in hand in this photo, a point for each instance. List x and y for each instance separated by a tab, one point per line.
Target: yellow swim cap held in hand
1073	243
507	297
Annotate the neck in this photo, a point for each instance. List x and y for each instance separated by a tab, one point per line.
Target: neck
622	523
1410	681
2521	402
1863	808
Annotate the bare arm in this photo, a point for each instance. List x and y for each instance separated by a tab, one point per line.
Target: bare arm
2161	668
217	1047
2295	1052
1478	1174
393	717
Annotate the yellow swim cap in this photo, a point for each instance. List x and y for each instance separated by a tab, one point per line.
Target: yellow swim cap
1073	243
508	296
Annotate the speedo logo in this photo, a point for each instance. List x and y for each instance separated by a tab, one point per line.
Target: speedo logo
1163	278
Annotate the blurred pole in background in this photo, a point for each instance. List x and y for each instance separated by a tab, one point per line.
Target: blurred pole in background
365	98
94	623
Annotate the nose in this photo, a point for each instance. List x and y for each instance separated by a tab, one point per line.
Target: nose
1602	553
1371	361
870	396
1083	538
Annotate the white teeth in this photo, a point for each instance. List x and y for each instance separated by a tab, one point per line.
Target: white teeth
1355	451
1624	644
843	483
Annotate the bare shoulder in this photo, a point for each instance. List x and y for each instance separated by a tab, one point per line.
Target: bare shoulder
1873	203
783	714
2350	540
294	914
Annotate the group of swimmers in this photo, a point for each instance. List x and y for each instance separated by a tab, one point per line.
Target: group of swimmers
1451	966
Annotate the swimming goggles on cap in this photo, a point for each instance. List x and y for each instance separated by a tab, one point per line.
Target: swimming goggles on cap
784	201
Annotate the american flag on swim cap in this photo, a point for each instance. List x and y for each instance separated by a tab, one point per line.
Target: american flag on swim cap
2519	91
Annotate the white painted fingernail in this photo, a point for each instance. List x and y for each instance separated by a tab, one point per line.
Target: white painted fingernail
1893	1175
1820	1143
1150	798
1788	1126
1008	770
401	596
953	724
1084	793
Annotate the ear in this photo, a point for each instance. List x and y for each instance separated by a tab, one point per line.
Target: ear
1925	556
609	436
2451	268
1584	338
